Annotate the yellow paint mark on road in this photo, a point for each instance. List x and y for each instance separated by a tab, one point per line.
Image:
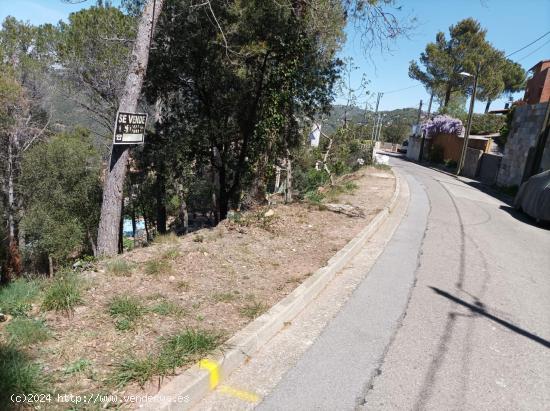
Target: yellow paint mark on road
213	368
240	394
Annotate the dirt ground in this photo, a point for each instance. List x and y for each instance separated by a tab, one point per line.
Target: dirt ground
219	278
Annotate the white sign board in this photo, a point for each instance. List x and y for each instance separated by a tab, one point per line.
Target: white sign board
130	128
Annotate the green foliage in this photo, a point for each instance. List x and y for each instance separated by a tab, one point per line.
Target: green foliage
94	47
133	369
16	297
486	123
395	132
126	310
466	47
26	331
61	186
63	293
78	366
436	154
186	347
166	307
176	351
18	375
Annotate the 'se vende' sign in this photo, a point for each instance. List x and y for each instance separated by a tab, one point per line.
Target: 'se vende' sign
130	128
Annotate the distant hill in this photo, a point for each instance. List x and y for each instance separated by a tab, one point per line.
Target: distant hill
357	115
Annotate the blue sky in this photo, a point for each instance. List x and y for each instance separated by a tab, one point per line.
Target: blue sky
510	24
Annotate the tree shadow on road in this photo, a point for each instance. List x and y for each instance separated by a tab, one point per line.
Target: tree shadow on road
479	309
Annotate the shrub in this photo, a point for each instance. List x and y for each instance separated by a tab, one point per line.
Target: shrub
18	375
25	331
16	297
63	294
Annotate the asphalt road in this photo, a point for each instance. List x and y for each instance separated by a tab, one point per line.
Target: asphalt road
455	314
452	313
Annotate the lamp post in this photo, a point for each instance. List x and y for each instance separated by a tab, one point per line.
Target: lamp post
460	166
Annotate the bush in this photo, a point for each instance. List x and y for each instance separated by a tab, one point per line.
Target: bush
61	185
18	375
25	331
63	294
16	297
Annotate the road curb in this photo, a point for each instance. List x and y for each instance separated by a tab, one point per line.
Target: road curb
186	389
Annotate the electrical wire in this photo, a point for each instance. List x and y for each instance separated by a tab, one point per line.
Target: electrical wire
401	89
534	51
533	42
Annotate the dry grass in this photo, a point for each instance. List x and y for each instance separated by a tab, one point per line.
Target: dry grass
216	286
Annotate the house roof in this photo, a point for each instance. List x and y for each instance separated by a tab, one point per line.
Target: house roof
539	64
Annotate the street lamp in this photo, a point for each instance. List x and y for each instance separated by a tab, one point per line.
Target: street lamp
469	123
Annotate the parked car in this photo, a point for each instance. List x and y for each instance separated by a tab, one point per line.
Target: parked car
533	197
403	148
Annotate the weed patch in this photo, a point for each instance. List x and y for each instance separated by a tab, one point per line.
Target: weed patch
78	366
224	297
253	310
176	351
126	311
63	294
157	267
119	267
16	298
167	308
18	375
26	331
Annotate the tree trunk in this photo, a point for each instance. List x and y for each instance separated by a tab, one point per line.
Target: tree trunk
288	193
121	230
13	265
488	105
161	201
447	95
50	266
107	238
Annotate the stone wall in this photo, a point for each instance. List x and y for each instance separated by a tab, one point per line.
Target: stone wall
522	138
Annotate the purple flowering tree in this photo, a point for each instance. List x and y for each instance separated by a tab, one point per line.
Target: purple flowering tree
442	124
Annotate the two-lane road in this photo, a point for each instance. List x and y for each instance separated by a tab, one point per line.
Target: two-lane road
454	315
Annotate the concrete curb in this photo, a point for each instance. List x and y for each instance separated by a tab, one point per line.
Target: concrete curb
186	389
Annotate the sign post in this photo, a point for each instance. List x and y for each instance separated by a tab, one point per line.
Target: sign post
129	128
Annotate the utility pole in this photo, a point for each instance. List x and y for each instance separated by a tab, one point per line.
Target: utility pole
379	96
422	140
469	124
